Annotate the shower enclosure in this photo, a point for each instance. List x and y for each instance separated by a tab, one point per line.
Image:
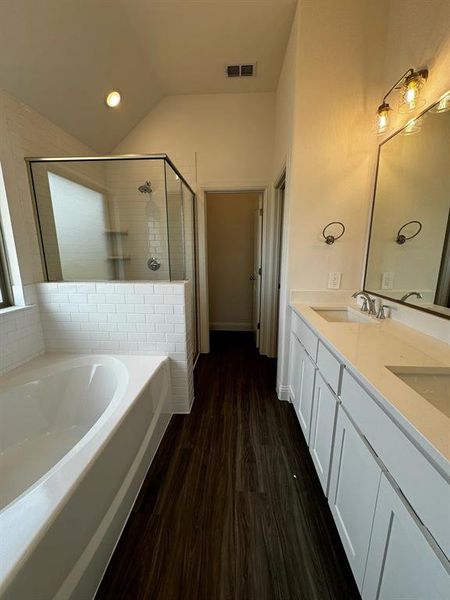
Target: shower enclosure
116	218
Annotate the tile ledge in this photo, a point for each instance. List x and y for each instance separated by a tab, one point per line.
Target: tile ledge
15	309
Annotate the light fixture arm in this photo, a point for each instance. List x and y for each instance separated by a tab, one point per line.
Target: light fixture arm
395	86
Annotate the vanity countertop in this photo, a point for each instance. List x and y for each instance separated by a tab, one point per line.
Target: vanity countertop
368	349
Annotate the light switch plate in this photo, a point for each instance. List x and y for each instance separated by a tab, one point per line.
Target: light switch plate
334	280
387	280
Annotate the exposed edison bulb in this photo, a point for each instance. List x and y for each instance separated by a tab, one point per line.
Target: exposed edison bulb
382	121
411	90
383	117
113	99
411	93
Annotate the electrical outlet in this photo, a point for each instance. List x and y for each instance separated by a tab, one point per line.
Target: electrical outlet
334	280
387	280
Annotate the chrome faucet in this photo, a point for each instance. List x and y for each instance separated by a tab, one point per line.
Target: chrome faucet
368	303
381	314
418	295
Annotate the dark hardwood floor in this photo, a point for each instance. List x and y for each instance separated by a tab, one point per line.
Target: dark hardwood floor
231	508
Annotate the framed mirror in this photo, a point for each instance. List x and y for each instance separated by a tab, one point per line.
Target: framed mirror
408	255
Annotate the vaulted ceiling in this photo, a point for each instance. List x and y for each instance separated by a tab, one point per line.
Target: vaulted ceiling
61	57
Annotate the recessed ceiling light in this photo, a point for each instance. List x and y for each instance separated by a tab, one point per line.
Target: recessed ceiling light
113	99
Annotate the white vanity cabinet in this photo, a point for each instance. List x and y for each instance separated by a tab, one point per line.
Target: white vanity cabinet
296	352
354	482
397	543
402	562
426	489
322	428
301	384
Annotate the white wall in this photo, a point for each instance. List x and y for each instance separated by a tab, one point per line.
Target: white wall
218	142
343	57
24	132
418	36
332	58
212	138
21	336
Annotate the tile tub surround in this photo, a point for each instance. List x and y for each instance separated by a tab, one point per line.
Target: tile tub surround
367	349
123	318
21	336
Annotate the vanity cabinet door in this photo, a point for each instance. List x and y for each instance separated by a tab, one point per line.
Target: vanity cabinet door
402	562
305	394
322	427
354	482
295	354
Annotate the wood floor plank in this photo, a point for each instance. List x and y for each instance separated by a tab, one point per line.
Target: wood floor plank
231	508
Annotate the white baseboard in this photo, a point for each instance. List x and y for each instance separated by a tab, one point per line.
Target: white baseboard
231	326
283	392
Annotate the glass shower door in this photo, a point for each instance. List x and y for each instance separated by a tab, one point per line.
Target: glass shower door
191	259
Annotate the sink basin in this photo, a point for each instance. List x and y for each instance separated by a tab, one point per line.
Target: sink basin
432	383
343	314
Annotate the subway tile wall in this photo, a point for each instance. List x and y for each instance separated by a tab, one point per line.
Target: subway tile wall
141	215
24	132
123	318
21	335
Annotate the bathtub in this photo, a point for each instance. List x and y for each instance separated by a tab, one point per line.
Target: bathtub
77	435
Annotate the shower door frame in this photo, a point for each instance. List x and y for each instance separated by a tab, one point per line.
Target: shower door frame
30	160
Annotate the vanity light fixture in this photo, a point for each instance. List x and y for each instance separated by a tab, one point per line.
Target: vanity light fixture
113	99
410	85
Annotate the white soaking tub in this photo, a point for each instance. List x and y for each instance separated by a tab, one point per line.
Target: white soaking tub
77	435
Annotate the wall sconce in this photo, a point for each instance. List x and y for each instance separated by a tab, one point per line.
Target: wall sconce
410	85
401	238
383	117
330	239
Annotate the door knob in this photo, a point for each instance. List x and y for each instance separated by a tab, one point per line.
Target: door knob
252	278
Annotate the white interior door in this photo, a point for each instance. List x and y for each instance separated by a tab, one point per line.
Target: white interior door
257	269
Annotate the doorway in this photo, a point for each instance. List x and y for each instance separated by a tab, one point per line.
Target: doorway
234	249
280	192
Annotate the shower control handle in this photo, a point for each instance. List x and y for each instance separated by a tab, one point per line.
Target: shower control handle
153	264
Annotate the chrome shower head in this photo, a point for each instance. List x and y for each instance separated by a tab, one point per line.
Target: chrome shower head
145	188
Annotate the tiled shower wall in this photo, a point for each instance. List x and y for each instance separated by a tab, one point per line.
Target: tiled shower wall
123	318
142	216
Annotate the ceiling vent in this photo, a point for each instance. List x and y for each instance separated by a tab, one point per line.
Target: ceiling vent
233	70
246	70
